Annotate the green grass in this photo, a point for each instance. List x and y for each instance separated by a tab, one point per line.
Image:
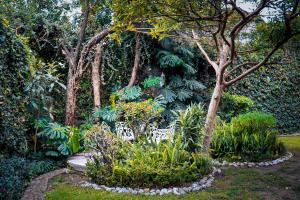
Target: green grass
242	183
291	142
64	191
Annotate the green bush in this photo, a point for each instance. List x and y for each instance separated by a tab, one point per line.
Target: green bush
190	124
13	74
16	173
233	105
249	136
149	165
59	140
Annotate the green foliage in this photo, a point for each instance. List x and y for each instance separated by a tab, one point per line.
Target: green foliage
107	114
152	81
61	140
137	114
249	136
178	63
233	105
275	90
130	93
13	73
162	164
190	124
41	87
16	172
109	147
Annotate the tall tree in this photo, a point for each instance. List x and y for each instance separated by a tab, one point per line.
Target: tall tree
96	76
137	58
217	27
77	60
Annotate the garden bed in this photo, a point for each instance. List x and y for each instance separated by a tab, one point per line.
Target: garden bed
202	183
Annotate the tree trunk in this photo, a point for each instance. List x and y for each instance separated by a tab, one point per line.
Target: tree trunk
137	59
96	77
212	113
71	101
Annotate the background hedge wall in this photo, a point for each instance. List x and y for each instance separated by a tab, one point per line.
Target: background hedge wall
276	90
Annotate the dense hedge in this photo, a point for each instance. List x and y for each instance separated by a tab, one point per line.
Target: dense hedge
276	90
17	172
13	68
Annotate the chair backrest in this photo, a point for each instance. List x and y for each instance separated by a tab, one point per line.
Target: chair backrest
158	135
124	131
154	134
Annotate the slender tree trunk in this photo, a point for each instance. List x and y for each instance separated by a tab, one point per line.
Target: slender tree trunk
96	77
71	101
212	113
137	59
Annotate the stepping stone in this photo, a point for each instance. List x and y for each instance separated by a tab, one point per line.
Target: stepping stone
78	162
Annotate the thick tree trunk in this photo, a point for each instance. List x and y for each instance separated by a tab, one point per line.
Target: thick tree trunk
70	101
137	59
96	77
211	114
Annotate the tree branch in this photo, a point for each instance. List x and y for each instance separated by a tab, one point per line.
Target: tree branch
82	29
86	49
212	63
263	62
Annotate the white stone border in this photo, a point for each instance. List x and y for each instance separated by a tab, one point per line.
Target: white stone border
195	186
254	164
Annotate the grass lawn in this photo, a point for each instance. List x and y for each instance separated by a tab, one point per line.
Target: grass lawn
277	182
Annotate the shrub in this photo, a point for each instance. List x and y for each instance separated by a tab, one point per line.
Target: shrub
107	145
13	177
233	105
162	164
16	173
13	74
190	123
61	140
250	137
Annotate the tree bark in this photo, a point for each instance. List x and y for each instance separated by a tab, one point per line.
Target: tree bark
137	58
212	113
96	77
76	69
71	101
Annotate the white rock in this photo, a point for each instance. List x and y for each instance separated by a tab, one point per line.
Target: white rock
163	191
140	191
195	184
